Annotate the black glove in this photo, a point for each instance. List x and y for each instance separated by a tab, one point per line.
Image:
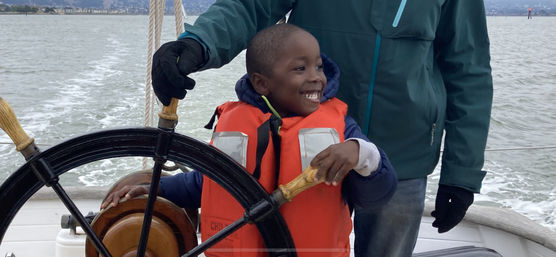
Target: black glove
172	62
451	205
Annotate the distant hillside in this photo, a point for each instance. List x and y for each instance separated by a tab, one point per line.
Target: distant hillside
190	6
493	7
520	7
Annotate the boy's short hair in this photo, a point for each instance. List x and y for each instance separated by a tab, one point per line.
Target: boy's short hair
263	48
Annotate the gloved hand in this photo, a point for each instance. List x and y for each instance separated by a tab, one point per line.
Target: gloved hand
172	62
451	205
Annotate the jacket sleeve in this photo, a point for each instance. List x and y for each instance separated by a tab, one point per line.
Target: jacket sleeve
227	26
370	191
183	189
463	57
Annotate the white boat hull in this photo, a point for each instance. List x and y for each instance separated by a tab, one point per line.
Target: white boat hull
503	230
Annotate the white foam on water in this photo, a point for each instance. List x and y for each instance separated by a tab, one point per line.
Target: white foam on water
103	68
503	187
106	172
7	155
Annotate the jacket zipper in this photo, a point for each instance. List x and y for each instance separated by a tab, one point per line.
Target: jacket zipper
432	132
372	85
375	63
399	14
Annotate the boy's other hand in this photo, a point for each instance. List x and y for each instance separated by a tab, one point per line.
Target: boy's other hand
126	192
336	161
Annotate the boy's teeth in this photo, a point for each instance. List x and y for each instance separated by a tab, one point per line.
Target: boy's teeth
312	95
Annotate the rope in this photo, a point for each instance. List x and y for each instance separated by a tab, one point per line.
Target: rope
156	18
179	14
148	92
521	148
10	143
159	20
148	85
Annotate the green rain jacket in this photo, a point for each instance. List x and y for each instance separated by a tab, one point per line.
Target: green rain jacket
410	71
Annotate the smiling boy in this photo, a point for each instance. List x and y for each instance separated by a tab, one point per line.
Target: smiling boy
287	108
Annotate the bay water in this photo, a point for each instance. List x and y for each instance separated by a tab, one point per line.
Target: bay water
66	76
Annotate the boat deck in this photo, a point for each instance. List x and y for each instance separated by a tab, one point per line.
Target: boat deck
36	226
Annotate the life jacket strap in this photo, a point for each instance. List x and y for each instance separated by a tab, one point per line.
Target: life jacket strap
275	124
210	124
270	126
263	132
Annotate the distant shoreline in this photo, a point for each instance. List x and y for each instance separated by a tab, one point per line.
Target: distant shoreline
84	14
94	14
197	14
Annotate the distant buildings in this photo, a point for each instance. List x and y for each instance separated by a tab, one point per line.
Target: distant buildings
519	8
117	11
15	9
117	7
195	7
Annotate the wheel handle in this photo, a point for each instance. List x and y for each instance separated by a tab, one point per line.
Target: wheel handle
9	123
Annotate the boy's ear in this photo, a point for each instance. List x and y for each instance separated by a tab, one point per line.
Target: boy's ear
260	83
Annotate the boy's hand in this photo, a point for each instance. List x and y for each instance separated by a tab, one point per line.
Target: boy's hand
126	192
334	162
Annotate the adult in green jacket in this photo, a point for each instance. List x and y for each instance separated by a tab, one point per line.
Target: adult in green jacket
414	73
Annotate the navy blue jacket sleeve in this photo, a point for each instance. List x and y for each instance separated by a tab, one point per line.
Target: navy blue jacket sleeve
183	189
374	190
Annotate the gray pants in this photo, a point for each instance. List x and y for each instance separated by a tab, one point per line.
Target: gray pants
391	231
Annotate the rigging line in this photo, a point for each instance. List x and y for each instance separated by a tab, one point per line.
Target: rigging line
519	148
149	113
179	15
156	17
148	93
11	143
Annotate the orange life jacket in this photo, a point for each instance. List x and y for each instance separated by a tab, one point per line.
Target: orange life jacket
318	219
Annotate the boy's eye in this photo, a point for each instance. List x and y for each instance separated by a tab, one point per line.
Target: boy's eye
320	67
299	68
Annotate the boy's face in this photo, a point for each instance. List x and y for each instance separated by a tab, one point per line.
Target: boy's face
297	81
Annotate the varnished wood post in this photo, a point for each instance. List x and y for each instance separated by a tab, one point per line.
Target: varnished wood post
168	115
170	112
305	180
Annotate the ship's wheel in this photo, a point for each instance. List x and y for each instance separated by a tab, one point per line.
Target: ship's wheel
162	144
